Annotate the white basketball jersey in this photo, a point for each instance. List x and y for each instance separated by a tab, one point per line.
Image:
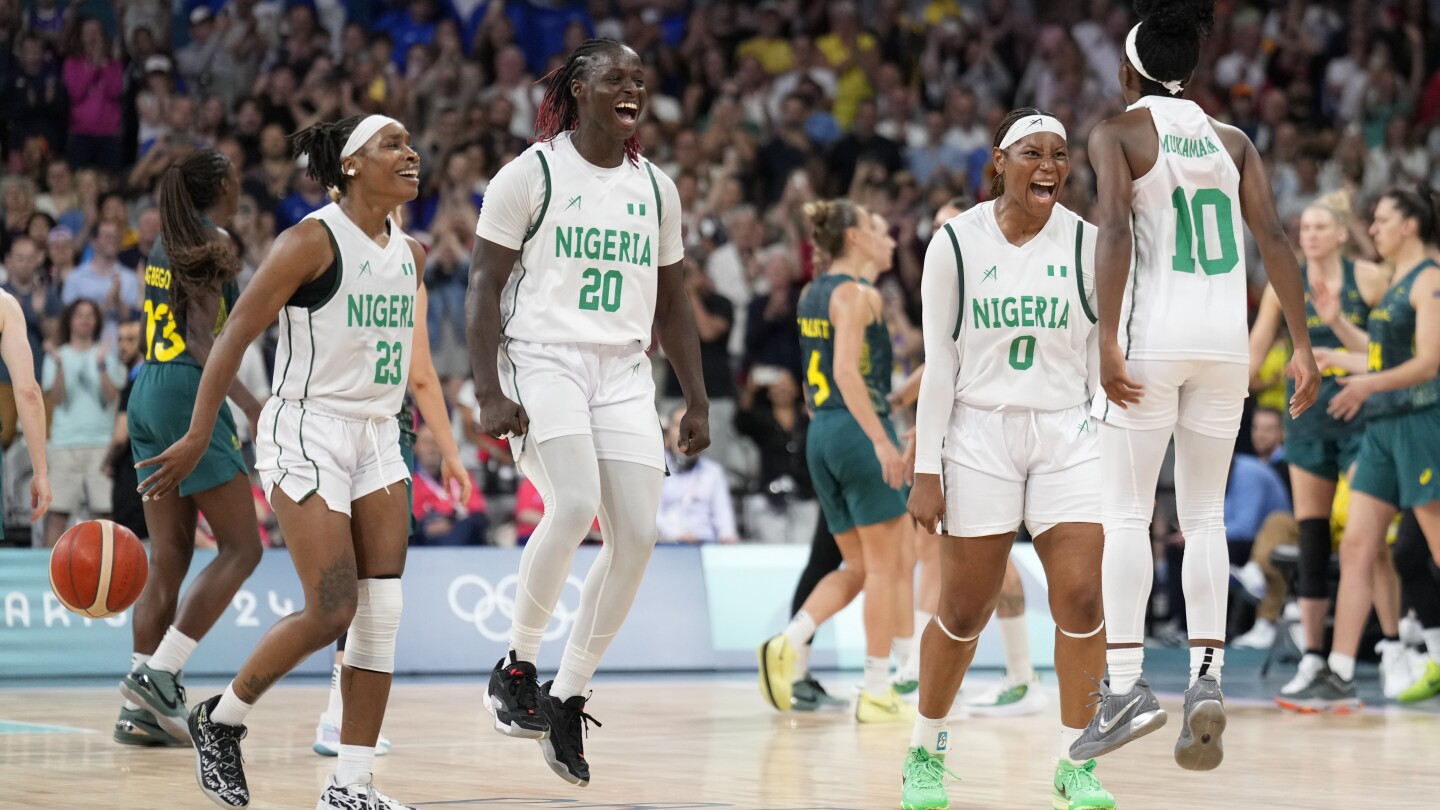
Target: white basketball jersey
1026	313
589	266
1187	295
350	352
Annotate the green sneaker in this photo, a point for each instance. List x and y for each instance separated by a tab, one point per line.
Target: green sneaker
923	782
163	694
138	727
1076	788
807	695
1427	687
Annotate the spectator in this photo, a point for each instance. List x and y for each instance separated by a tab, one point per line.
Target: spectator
770	414
95	80
17	194
767	45
441	519
196	59
36	103
772	335
147	230
119	460
1267	437
41	308
83	380
731	271
60	256
61	199
695	504
863	146
102	280
854	56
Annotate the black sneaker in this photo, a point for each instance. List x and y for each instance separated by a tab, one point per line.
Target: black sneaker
513	697
564	749
218	766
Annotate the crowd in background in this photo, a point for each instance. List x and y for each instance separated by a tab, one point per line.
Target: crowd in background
754	109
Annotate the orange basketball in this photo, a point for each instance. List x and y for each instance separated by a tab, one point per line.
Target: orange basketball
98	568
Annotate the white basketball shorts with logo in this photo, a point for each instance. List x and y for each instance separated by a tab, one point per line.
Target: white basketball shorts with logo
305	449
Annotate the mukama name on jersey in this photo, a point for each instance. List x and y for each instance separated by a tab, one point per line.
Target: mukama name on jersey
1188	147
365	309
611	245
1024	310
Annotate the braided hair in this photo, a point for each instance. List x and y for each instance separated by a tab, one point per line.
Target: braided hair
559	110
321	144
1168	41
198	262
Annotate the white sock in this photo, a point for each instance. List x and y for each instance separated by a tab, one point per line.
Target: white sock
800	629
356	762
335	708
1016	636
577	667
1068	736
877	675
173	652
901	649
231	710
1343	665
802	662
1126	665
136	659
931	734
1206	661
1432	642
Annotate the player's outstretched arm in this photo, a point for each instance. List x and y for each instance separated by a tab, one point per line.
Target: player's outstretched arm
1113	245
1257	206
301	254
29	401
675	326
490	268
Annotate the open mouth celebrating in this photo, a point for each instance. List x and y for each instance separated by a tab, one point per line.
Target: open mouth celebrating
628	112
1043	191
411	173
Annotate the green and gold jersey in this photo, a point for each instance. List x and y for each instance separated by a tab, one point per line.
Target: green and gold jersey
165	335
1392	342
817	347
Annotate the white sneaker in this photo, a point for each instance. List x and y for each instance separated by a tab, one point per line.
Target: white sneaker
906	679
1297	627
359	796
1395	673
1251	578
1260	637
1009	699
1411	631
327	739
1310	666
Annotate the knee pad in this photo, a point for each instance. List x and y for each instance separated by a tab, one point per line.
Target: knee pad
1313	579
371	643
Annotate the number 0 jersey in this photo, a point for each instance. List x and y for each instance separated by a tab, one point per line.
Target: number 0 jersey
345	338
1187	295
591	242
165	335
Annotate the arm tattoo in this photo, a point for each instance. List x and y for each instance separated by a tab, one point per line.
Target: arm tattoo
336	587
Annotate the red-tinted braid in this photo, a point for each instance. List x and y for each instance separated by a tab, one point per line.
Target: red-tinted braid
559	112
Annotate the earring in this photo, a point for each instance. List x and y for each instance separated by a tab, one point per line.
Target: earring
350	172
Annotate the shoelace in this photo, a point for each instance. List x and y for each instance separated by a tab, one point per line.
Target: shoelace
225	745
931	774
580	723
1080	777
1104	691
523	687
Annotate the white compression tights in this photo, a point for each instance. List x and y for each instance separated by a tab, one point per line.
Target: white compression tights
1130	463
576	487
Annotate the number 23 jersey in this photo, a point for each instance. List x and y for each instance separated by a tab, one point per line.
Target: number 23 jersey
1186	298
591	242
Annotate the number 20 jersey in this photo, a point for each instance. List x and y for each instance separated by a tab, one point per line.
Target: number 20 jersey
1186	298
590	259
349	351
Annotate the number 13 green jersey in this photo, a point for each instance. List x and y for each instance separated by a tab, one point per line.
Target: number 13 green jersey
1187	295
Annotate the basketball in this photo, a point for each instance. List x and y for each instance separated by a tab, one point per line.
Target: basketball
98	568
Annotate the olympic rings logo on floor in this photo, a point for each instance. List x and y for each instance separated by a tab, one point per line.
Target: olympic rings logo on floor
491	608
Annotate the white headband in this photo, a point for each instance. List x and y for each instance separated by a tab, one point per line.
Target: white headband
1030	126
364	131
1174	85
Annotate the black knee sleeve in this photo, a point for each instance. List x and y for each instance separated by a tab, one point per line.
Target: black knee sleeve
1419	579
1313	581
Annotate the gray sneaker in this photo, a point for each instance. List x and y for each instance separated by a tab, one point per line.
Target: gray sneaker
1199	747
162	693
809	696
1119	720
1326	692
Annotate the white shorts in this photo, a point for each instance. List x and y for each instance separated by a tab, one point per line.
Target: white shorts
586	389
1206	396
1002	467
307	450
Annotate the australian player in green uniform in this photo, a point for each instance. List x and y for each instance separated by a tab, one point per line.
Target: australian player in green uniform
1319	448
1398	466
853	453
189	289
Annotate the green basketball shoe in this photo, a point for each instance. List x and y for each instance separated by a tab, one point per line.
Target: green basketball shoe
923	782
1076	788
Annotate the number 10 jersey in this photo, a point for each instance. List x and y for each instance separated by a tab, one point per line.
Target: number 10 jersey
1187	296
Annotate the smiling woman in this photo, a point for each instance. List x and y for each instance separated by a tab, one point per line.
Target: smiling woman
344	390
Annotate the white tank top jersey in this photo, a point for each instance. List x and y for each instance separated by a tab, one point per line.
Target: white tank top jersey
1027	313
1006	327
350	352
591	242
1187	296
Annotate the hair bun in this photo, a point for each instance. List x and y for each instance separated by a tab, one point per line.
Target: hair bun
1177	16
818	212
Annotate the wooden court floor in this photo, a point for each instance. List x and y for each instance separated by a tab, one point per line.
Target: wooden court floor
679	743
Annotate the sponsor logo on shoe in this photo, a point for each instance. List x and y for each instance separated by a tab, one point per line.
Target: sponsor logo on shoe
1107	724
